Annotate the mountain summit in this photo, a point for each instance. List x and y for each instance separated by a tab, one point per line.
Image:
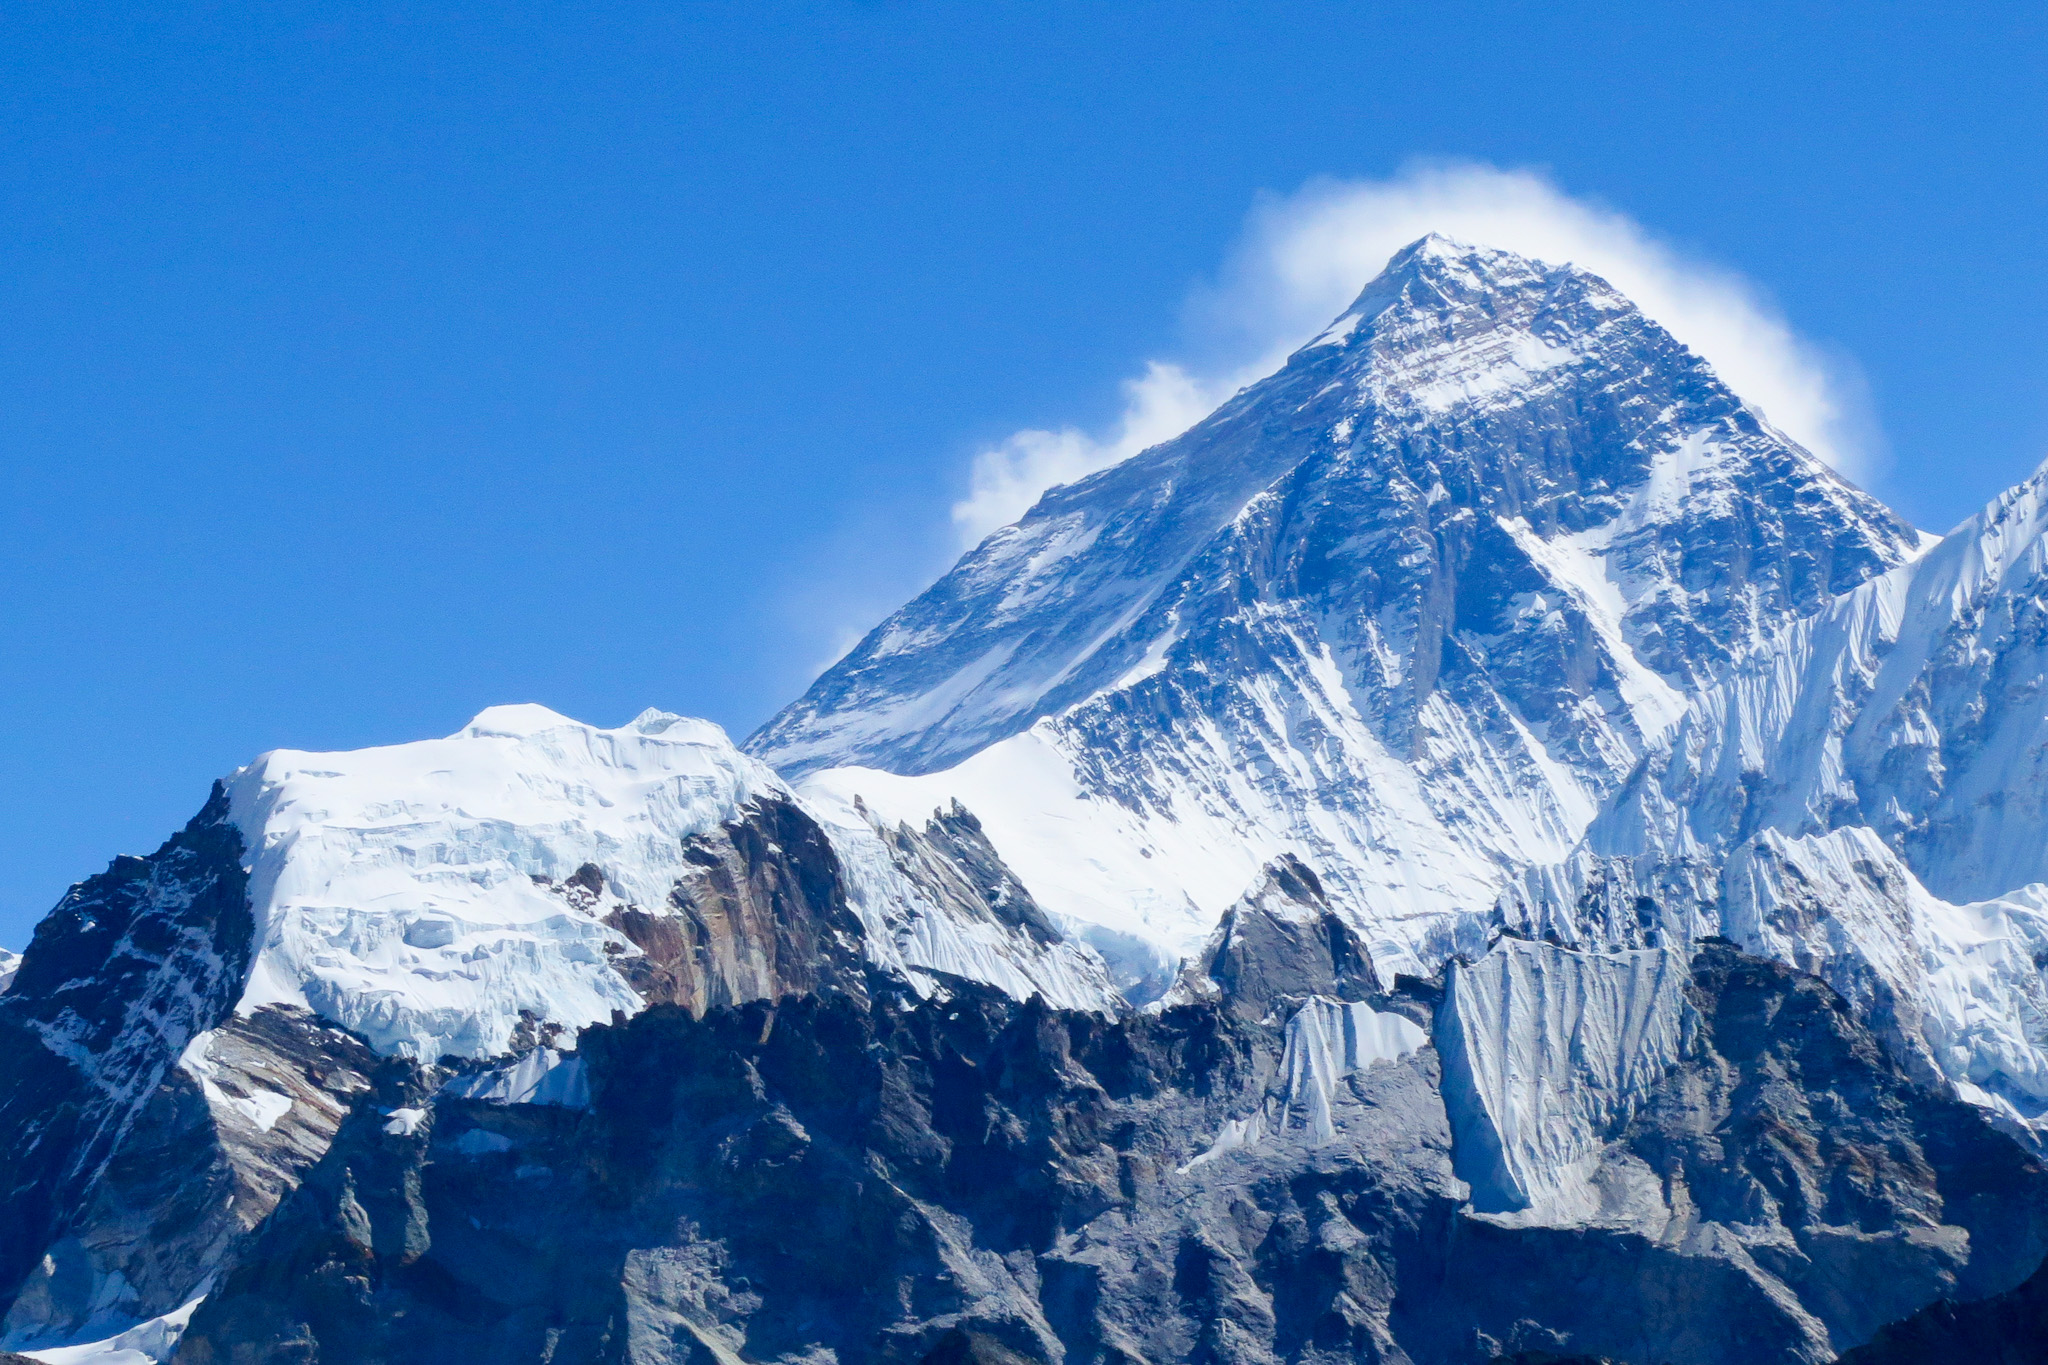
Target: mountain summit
1410	608
1480	850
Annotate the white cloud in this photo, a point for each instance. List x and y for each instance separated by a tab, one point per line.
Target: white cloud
1158	405
1304	257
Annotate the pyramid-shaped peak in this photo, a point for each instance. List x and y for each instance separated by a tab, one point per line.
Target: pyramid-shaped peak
1435	270
1436	249
1441	246
1484	285
1443	261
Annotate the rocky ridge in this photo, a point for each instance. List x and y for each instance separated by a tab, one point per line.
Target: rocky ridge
1864	801
1410	608
189	1032
1032	1184
1450	860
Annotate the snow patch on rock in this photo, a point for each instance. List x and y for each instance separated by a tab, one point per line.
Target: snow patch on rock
147	1343
1960	986
1326	1041
1547	1053
422	895
260	1108
542	1076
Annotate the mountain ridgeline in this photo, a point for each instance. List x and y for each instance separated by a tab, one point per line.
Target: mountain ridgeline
1482	849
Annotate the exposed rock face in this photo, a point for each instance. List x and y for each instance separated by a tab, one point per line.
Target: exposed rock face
159	1100
760	913
1865	801
895	1180
1800	1116
249	1106
552	1042
147	1128
2005	1329
1410	609
1790	1145
952	861
1283	941
129	968
277	1083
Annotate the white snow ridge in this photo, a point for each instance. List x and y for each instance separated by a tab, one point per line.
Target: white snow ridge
1370	781
408	892
1547	1052
417	895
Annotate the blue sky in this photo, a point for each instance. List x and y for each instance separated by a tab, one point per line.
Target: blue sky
356	374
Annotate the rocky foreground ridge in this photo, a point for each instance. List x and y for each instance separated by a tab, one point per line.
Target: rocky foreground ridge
1480	850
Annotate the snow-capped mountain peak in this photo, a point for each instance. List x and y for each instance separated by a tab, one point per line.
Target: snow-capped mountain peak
1409	609
1449	690
430	895
414	892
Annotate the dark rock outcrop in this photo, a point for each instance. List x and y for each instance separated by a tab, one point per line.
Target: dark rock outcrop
762	914
224	1136
129	968
895	1181
2005	1329
952	861
1282	941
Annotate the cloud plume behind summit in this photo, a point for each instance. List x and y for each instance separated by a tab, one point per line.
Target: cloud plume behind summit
1303	256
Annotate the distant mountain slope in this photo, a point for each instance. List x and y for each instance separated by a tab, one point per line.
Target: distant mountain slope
170	1061
1410	608
1869	799
1412	736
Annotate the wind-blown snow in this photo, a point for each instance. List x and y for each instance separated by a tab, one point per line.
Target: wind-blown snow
1410	609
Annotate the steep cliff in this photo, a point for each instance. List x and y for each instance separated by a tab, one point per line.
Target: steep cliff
1409	609
913	1181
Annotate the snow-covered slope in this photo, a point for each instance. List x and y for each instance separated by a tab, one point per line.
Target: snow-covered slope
169	1066
1869	800
1410	609
1546	1055
428	895
1493	617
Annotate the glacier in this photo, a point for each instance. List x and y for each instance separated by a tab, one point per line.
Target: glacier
1864	801
421	894
1547	1053
1481	845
